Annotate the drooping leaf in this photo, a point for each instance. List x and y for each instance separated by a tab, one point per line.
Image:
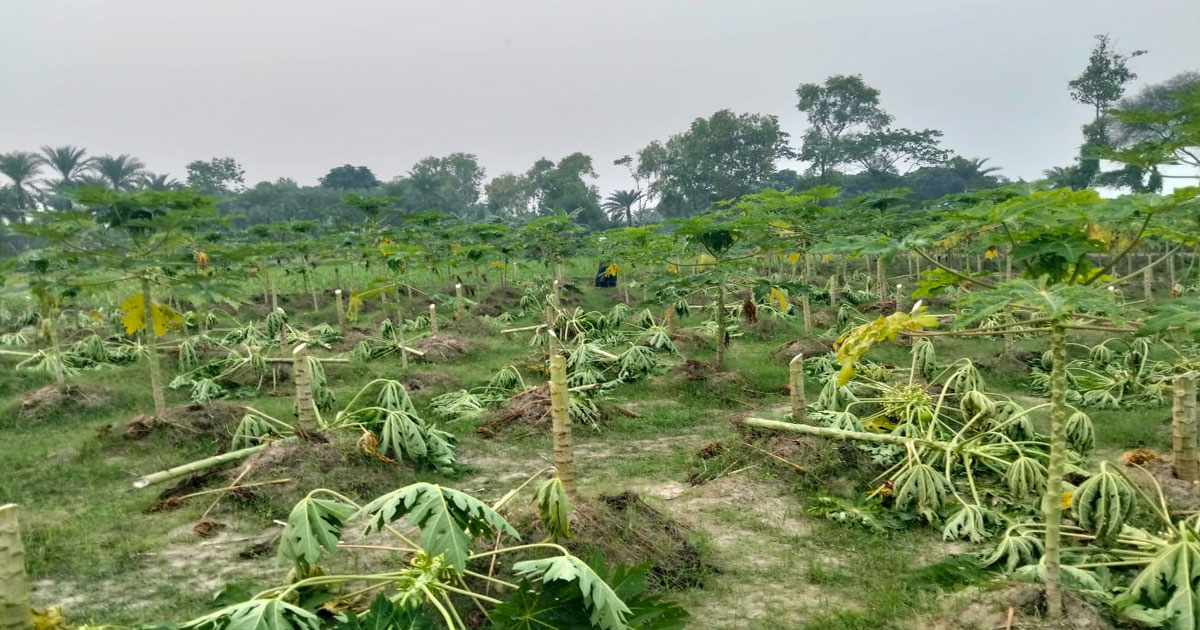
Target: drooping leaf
256	614
313	525
384	615
446	517
554	507
607	611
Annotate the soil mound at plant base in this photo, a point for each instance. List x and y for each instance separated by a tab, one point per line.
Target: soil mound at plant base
810	347
51	399
1012	606
434	382
336	464
499	301
624	529
1181	495
348	341
215	420
530	408
442	347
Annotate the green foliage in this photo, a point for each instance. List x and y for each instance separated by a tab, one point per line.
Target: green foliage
554	508
314	525
446	517
606	609
1103	503
257	614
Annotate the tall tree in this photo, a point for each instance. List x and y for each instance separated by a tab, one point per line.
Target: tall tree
347	177
508	196
70	162
22	167
718	158
842	105
1103	81
971	171
564	187
1158	126
216	177
155	181
120	172
887	150
619	205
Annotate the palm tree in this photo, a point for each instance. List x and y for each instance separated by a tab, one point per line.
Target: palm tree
22	167
68	161
159	182
120	172
970	171
620	204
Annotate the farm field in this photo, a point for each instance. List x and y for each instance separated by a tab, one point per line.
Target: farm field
664	355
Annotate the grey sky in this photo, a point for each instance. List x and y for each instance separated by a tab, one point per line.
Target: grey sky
294	87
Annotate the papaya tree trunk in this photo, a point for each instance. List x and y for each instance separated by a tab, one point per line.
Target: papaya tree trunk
271	288
341	311
306	409
670	317
15	612
1052	500
1148	283
433	323
55	349
834	295
720	362
560	417
312	289
796	388
806	311
1183	428
156	385
458	300
881	277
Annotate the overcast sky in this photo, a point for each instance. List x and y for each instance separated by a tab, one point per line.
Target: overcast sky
294	87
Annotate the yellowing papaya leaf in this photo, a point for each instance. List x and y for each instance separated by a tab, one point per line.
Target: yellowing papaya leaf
162	316
780	298
826	258
354	305
991	253
793	258
202	259
1067	499
499	265
672	269
853	344
612	270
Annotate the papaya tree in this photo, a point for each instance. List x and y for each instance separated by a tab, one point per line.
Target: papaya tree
148	238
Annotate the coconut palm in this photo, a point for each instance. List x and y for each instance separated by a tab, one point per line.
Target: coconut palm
971	171
154	181
22	167
619	204
120	172
70	162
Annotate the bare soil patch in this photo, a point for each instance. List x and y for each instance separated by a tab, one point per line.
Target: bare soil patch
217	419
442	347
51	399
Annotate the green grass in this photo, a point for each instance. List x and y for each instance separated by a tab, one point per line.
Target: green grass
90	542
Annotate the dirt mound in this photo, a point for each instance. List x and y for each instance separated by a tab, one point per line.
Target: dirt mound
1012	606
499	301
442	347
217	419
624	529
429	381
336	464
810	347
883	307
1181	495
51	399
530	408
348	341
467	326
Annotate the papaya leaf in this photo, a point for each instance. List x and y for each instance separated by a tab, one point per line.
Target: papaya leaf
384	615
607	611
554	507
446	517
313	525
256	614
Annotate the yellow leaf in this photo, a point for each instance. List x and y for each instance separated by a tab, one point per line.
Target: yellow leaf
612	270
201	259
794	257
353	305
826	257
780	297
134	318
673	269
163	317
1067	498
499	265
990	253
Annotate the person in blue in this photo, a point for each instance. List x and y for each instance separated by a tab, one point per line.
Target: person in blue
603	279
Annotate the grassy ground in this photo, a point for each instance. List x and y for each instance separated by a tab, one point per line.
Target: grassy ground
93	547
